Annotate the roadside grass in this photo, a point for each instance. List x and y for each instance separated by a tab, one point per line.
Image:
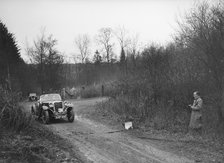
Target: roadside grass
97	90
35	144
12	115
119	110
160	116
124	109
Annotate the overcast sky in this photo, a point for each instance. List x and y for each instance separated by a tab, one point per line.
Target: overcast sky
153	20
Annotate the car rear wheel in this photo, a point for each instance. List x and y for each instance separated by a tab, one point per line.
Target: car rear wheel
32	111
45	117
70	116
33	114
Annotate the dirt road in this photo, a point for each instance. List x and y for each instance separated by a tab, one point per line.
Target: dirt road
101	144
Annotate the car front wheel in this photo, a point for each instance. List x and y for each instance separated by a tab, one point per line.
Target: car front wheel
70	116
32	111
45	117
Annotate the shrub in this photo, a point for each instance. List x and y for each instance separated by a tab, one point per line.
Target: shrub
96	90
12	115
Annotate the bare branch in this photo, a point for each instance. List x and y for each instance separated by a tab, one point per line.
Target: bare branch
83	44
104	38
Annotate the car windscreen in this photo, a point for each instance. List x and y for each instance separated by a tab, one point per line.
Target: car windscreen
50	97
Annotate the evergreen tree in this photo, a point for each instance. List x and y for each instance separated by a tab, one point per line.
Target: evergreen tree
97	58
122	56
10	59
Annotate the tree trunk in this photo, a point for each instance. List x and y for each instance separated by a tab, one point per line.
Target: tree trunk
9	79
41	72
221	109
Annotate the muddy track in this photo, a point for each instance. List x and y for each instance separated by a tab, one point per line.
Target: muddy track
101	144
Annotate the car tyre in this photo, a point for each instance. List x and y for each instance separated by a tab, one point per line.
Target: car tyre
71	116
32	111
45	117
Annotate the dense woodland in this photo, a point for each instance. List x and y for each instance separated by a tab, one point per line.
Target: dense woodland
153	84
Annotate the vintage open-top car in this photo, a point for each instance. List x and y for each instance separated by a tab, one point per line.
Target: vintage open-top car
51	106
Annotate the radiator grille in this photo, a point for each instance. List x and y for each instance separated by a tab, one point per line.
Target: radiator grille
45	104
57	105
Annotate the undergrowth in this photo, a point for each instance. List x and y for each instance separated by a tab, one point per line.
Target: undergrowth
13	116
160	116
103	89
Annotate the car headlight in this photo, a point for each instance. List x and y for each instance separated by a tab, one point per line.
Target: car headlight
45	107
68	104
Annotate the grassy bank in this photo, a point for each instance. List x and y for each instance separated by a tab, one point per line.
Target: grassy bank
12	116
36	144
159	117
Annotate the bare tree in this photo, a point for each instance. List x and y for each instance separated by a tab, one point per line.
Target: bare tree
133	44
104	38
47	58
132	49
83	44
121	34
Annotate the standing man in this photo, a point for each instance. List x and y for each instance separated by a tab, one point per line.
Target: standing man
195	124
